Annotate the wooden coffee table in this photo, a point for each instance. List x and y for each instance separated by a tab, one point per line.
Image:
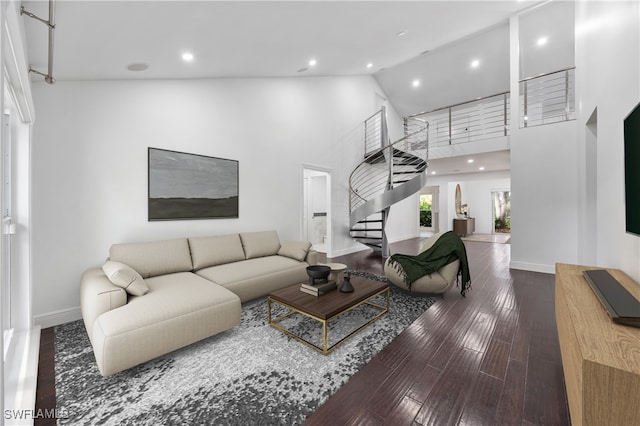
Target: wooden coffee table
327	307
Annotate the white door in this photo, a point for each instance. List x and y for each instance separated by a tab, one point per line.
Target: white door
316	211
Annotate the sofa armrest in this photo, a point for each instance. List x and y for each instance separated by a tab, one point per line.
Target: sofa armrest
97	296
312	257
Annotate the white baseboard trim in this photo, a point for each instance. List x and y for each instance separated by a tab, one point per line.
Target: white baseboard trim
58	317
354	249
533	267
21	369
404	237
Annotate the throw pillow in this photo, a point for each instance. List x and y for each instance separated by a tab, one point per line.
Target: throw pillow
295	249
260	244
124	276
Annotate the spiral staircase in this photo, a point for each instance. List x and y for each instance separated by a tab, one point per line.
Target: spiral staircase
388	174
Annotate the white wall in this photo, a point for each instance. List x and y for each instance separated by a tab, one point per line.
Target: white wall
544	196
607	78
89	186
404	219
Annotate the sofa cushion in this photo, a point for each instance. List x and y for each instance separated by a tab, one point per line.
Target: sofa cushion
211	251
154	258
257	277
124	276
170	296
295	249
260	244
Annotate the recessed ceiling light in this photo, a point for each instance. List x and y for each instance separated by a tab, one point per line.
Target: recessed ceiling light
542	41
433	172
480	168
415	83
370	65
475	63
187	56
313	62
137	67
401	33
470	160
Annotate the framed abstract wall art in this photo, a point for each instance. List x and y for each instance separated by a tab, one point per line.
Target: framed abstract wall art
191	186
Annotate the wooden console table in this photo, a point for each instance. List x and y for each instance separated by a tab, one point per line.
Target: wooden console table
464	226
601	360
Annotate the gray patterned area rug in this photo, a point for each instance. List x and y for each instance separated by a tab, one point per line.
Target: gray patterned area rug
249	375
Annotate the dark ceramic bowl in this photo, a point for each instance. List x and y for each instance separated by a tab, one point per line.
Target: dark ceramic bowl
318	272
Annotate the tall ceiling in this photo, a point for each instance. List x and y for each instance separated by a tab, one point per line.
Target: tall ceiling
99	39
402	40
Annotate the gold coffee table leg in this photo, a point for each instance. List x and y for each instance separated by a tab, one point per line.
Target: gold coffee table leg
325	341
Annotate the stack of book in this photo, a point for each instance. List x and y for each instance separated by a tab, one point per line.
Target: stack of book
318	289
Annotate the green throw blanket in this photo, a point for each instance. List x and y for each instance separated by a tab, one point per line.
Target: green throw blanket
445	250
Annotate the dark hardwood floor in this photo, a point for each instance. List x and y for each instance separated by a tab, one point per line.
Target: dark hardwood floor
46	388
491	358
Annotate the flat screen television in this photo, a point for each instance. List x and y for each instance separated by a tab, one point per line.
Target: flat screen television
632	171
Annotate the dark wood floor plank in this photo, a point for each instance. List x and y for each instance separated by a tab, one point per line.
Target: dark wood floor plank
424	383
364	417
404	413
447	399
46	383
496	359
346	403
544	398
511	405
506	324
520	345
482	402
393	390
479	334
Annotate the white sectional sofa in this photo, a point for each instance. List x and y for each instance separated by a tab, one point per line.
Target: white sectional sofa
151	298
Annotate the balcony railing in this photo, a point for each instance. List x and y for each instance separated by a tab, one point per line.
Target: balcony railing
472	121
548	98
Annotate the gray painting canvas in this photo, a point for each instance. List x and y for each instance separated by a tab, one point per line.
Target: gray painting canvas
191	186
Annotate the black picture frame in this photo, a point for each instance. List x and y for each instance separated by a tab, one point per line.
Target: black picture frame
183	186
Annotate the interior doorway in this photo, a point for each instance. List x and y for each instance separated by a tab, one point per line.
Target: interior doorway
428	211
501	205
316	211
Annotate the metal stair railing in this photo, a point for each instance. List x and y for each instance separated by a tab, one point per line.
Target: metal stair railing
389	174
375	131
373	175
